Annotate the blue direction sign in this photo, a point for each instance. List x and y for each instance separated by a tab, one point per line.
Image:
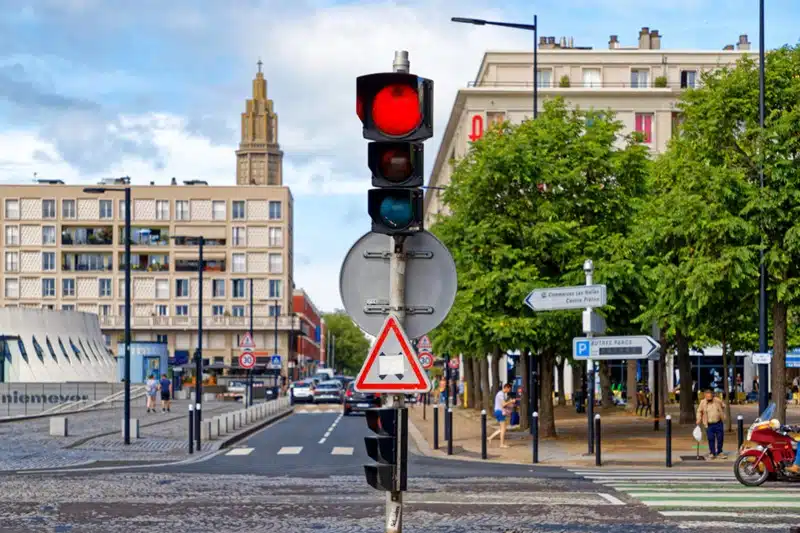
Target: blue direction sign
613	348
275	362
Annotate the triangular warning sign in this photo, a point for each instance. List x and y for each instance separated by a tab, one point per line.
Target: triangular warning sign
247	342
392	366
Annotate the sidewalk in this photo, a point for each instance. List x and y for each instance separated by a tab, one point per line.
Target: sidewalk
627	439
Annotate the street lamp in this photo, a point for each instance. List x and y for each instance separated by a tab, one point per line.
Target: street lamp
763	378
126	430
528	27
250	371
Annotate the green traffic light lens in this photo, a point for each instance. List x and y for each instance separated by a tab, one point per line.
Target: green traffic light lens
396	212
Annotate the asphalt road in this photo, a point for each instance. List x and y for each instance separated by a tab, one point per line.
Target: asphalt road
304	473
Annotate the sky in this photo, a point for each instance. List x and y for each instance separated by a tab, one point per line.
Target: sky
154	90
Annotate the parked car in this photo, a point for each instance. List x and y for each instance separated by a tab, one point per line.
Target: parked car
302	391
355	401
328	392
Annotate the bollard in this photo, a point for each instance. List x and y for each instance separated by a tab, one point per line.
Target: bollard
197	419
597	459
535	434
450	434
483	434
191	428
668	432
740	430
436	427
446	423
424	406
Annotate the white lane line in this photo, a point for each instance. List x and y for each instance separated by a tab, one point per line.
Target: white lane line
702	526
648	491
702	496
240	451
727	503
338	450
330	429
290	450
611	499
725	514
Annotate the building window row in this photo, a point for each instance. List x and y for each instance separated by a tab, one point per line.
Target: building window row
88	349
640	78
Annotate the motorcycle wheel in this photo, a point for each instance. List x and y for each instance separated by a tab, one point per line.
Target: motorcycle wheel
748	472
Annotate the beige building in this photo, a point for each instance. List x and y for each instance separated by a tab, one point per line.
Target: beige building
641	83
63	248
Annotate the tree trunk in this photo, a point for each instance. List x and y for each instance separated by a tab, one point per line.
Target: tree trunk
726	394
547	418
469	382
475	362
496	385
487	394
630	385
778	385
524	373
685	370
605	385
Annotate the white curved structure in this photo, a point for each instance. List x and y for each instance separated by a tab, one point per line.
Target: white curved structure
43	346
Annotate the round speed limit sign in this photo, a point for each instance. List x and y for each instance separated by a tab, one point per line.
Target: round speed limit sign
426	360
247	360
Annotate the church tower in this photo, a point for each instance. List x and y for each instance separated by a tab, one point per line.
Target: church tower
259	159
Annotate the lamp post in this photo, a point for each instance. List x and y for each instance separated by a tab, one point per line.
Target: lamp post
529	27
250	371
763	378
126	430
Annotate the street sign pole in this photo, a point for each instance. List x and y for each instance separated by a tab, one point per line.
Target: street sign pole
588	270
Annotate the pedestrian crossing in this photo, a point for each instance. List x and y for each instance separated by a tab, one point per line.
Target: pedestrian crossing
707	498
317	411
292	450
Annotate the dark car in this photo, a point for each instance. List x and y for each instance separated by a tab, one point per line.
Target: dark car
355	402
328	392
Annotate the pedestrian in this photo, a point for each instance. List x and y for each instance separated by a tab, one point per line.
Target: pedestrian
711	413
165	385
502	410
755	384
150	389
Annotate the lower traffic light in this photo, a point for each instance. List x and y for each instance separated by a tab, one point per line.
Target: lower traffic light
389	447
396	211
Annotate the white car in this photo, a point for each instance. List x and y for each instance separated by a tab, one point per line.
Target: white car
303	391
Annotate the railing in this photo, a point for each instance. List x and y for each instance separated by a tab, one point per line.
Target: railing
96	241
585	85
214	322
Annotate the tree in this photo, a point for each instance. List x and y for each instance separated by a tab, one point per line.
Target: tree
350	344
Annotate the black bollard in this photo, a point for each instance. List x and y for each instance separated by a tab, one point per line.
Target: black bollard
535	428
597	460
191	428
450	435
483	434
740	430
436	426
424	406
197	422
669	440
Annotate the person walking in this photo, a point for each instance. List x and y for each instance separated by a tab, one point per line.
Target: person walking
711	414
150	389
165	385
502	410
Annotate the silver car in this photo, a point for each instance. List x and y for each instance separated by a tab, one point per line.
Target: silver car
329	392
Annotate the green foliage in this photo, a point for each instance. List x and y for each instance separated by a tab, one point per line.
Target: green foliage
661	81
564	81
350	343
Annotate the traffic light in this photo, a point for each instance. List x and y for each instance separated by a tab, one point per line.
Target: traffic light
389	447
396	110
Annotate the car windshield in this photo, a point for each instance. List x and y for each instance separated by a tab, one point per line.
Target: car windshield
328	386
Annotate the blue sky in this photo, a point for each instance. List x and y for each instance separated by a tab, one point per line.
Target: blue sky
154	89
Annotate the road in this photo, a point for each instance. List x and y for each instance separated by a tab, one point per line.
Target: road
304	473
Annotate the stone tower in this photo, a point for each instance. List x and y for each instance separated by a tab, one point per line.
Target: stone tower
259	159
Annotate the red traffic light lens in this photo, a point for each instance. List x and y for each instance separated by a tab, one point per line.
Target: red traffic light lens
395	110
395	164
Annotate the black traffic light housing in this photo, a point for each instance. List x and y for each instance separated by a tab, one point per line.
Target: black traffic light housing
395	106
396	164
396	211
388	447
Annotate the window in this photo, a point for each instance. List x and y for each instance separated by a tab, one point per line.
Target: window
68	307
239	236
12	288
218	288
22	351
162	209
591	77
274	210
12	261
640	78
63	350
48	288
105	287
181	310
218	209
544	78
48	235
75	349
12	235
237	288
38	349
275	310
122	211
644	125
67	287
105	310
217	310
162	289
106	209
275	264
121	313
68	208
161	338
48	261
238	210
275	288
495	117
48	209
276	236
688	79
239	263
12	209
182	288
677	120
181	210
162	310
237	310
50	348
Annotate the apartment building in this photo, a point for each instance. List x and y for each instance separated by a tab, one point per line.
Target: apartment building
63	248
640	83
309	343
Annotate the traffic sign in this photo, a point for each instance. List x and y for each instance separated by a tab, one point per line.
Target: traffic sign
275	362
391	365
453	363
247	360
557	298
364	282
762	358
247	342
424	344
612	348
426	360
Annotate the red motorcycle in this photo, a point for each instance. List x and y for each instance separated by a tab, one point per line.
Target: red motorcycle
767	452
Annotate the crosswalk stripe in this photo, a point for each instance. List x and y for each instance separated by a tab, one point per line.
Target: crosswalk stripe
240	451
342	450
290	450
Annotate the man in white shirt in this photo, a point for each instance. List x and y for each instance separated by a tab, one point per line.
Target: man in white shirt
502	408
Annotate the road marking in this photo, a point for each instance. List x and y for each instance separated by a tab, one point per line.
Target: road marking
240	451
290	450
726	514
337	450
722	502
611	499
748	526
330	429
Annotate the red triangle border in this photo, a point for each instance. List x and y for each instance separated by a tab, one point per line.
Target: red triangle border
421	385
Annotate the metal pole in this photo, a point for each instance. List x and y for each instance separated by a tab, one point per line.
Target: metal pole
446	395
127	400
535	426
656	416
669	441
535	362
250	371
536	67
588	269
450	435
530	379
483	434
191	428
436	426
763	378
199	361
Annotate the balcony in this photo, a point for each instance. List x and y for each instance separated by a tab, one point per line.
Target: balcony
190	265
81	236
191	241
237	323
580	84
146	236
86	262
146	262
